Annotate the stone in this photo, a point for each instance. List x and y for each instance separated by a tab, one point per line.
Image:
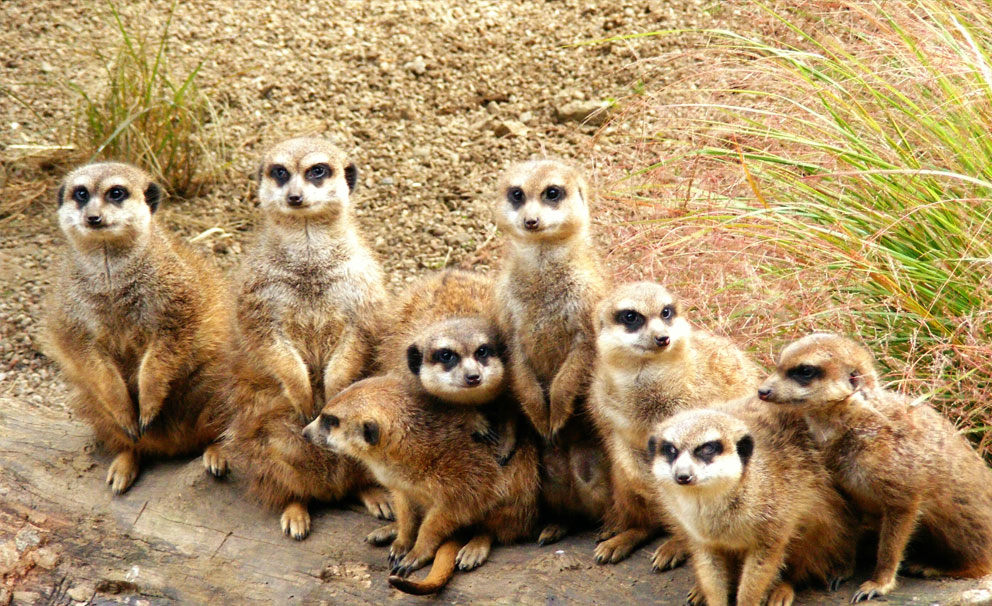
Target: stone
589	112
509	128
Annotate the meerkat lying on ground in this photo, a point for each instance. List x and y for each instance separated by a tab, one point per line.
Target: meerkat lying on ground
309	296
444	340
896	459
138	324
549	285
441	480
751	493
651	364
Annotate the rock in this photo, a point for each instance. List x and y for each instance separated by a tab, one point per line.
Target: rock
82	592
27	537
509	128
492	108
25	598
972	597
589	112
46	558
417	67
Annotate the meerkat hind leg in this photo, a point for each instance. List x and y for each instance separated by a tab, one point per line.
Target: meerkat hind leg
671	554
376	501
475	552
384	535
552	533
781	595
123	470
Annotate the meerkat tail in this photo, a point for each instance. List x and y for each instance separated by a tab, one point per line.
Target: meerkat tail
441	572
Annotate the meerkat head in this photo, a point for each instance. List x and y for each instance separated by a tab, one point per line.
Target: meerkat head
357	421
640	320
700	450
107	202
306	177
818	370
542	201
459	361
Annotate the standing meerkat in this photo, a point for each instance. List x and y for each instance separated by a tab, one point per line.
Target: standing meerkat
138	324
441	480
751	493
546	293
309	296
898	460
651	364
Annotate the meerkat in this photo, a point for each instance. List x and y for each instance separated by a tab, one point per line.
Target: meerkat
751	493
546	294
650	364
897	459
138	324
440	479
309	297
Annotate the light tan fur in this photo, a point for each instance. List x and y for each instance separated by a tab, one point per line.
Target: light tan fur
309	298
441	480
546	293
900	461
750	491
138	324
651	364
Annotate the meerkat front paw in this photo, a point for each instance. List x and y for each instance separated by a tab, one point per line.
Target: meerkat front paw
552	533
382	536
615	549
215	460
870	590
398	551
474	553
695	597
295	521
123	471
669	555
376	501
782	595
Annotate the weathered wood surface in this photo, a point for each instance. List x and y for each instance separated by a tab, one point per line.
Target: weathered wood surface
181	537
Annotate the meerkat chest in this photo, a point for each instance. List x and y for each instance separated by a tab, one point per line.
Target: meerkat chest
709	521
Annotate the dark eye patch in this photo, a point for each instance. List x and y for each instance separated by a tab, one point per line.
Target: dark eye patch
804	374
668	312
483	353
708	451
516	197
81	195
630	319
329	421
317	173
553	195
669	451
446	358
279	174
116	194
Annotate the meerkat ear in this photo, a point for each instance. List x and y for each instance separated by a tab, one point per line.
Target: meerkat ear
370	431
351	176
153	194
414	359
855	378
652	446
745	447
61	194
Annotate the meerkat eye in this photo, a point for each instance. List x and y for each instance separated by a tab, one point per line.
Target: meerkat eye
669	451
446	357
554	194
515	196
116	194
81	195
667	312
279	173
483	352
318	172
631	319
707	451
804	374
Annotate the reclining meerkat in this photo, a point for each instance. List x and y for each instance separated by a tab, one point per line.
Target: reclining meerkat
309	298
751	493
444	340
897	459
651	364
441	480
138	324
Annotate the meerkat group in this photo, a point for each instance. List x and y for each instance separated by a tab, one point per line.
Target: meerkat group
478	410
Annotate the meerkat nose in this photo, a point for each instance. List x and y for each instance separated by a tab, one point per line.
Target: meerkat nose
764	393
473	380
532	224
294	199
94	220
662	341
684	478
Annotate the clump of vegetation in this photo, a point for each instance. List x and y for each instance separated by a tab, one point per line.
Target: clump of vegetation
848	152
148	116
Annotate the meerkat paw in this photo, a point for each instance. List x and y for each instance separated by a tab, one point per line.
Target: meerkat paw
123	471
474	553
782	595
382	536
695	597
295	521
215	460
913	569
398	551
870	590
669	555
376	501
411	562
834	582
552	533
615	549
